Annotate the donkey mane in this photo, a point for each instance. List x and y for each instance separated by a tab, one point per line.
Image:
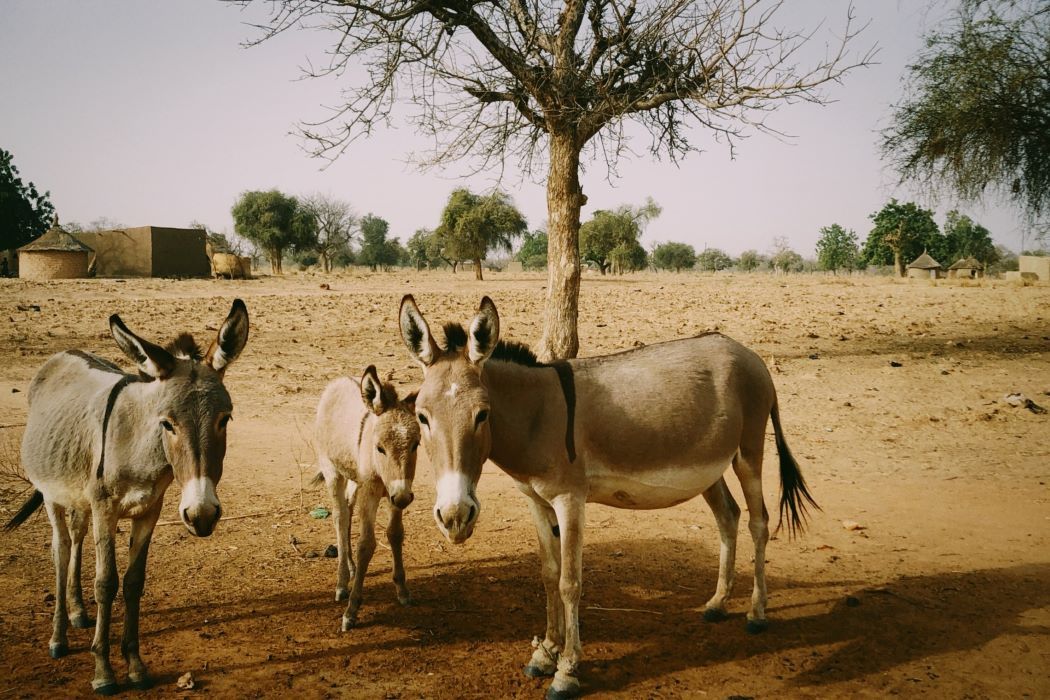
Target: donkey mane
506	350
185	347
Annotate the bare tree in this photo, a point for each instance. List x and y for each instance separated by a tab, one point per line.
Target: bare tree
541	80
335	220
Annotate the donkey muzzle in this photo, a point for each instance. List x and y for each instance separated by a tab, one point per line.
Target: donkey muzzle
199	508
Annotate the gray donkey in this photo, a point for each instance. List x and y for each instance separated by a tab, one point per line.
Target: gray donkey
107	444
366	442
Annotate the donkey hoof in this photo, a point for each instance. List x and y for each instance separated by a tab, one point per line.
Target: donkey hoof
757	626
714	615
341	594
537	671
81	621
106	688
57	651
564	690
140	683
349	623
405	599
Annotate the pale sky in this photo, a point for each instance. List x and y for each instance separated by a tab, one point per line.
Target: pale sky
152	113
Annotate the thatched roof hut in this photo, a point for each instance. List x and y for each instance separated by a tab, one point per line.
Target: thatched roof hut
55	255
925	266
966	268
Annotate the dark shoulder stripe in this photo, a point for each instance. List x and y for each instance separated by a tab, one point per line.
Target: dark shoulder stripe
568	389
110	402
96	362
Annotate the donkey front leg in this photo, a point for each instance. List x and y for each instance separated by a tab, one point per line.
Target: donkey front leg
134	582
104	521
59	645
78	525
570	511
369	495
544	661
395	535
339	490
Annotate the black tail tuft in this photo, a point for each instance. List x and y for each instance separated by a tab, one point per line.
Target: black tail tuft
27	509
318	480
795	498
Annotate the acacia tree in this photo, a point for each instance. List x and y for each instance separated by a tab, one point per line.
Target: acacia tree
540	81
749	260
376	249
837	248
274	222
335	220
901	232
976	113
965	238
619	231
674	256
25	214
533	253
472	225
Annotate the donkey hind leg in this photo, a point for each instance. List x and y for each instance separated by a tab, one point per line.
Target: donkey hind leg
337	489
395	535
544	661
134	582
78	525
570	509
370	493
748	467
104	528
60	544
727	515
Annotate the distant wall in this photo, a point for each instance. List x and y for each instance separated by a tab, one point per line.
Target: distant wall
121	252
1037	265
52	264
179	252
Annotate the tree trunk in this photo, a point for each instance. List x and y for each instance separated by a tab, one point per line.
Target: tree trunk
564	200
477	270
455	264
603	267
898	264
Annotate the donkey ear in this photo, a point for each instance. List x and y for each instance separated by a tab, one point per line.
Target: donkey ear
231	338
153	360
416	333
410	400
484	333
372	391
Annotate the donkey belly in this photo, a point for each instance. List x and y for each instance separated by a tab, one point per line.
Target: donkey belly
658	487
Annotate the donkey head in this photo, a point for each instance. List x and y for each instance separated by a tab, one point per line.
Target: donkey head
190	407
453	409
391	444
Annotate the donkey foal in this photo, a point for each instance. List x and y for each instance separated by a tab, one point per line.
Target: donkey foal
105	443
366	439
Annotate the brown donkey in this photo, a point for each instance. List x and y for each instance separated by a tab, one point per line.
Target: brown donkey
367	440
105	445
647	428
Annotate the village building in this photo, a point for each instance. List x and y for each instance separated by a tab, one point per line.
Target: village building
925	267
1038	265
56	255
966	268
149	251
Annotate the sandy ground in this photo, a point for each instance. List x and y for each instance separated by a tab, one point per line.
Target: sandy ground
944	592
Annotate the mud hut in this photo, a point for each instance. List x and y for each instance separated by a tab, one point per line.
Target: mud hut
925	267
1038	265
149	251
966	268
56	255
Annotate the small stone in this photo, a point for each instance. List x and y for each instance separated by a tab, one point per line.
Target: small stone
852	525
186	682
16	391
331	551
49	598
311	554
894	363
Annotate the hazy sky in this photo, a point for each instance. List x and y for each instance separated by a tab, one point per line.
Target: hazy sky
152	113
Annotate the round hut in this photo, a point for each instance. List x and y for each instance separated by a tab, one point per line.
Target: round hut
967	268
56	255
925	267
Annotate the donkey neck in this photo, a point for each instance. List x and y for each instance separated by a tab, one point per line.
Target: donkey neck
132	437
529	415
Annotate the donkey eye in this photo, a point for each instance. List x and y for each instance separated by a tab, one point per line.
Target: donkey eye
381	450
224	420
423	419
481	418
168	426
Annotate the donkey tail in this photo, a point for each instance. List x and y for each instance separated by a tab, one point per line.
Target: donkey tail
27	509
317	480
794	494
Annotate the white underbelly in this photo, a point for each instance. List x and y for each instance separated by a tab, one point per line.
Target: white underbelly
661	487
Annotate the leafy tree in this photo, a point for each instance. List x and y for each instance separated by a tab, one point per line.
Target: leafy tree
837	248
901	233
420	249
472	225
749	260
376	250
628	256
1005	261
396	254
977	107
965	238
25	214
674	256
783	258
713	259
275	222
533	253
619	230
499	80
335	219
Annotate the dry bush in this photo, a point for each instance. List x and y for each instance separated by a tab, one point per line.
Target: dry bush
14	485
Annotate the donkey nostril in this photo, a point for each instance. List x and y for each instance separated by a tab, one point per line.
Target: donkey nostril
185	515
218	512
438	511
470	517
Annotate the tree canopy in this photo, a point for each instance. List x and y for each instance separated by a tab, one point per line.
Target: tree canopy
674	256
275	222
25	214
837	249
335	221
965	238
750	260
713	260
472	225
976	114
617	230
539	82
901	232
376	249
533	253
